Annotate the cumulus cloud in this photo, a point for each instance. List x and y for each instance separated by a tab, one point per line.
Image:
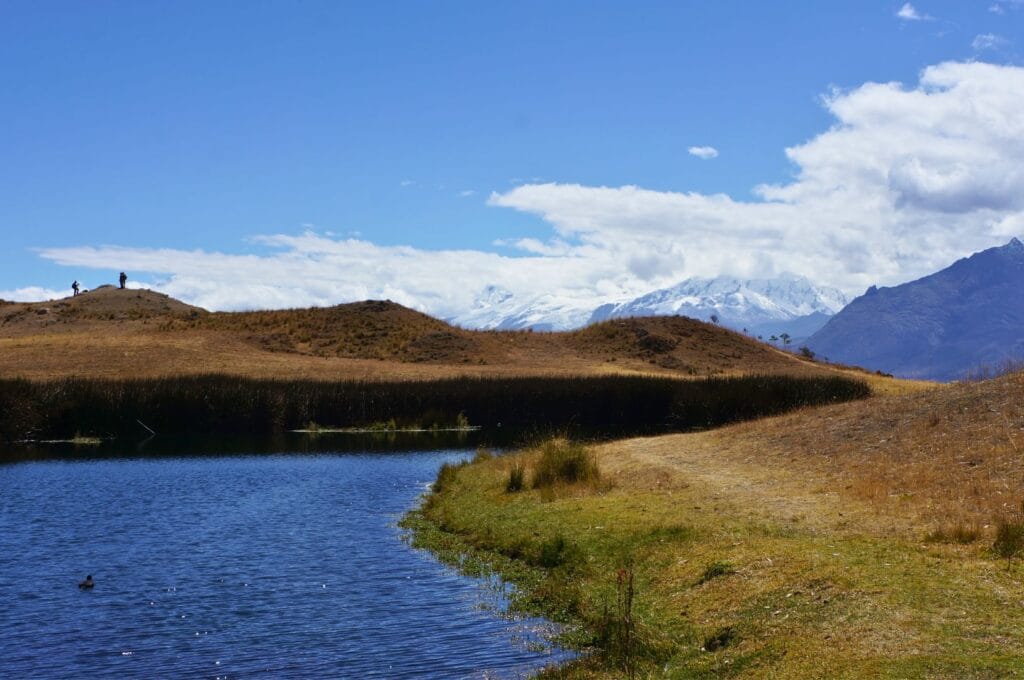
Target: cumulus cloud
906	180
703	152
310	269
908	13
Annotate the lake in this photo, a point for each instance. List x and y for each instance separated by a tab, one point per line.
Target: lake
233	566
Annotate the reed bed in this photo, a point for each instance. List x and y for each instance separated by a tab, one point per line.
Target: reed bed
231	404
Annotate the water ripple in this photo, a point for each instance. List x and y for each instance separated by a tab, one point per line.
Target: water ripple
282	566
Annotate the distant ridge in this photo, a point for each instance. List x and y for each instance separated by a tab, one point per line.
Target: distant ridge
940	327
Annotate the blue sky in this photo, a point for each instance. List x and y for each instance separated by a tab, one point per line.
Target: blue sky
140	136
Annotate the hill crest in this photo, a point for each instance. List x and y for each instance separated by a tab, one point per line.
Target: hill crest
135	332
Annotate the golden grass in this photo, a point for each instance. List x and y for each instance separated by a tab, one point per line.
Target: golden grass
951	453
133	333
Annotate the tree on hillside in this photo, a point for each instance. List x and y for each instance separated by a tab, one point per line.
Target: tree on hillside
785	339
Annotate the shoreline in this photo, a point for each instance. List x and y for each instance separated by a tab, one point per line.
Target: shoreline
742	569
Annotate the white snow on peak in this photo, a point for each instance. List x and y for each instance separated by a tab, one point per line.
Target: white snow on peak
499	309
739	303
736	301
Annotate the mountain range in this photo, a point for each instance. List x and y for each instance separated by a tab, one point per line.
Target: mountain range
766	306
963	318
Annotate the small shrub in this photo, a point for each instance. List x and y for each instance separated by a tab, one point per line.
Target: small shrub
482	455
516	478
806	352
562	461
714	570
1009	541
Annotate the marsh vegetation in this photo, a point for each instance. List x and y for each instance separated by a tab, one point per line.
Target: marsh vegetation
231	404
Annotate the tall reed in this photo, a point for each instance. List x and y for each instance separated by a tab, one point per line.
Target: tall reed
230	404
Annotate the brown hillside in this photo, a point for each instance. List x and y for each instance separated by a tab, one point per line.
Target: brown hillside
112	332
947	455
103	304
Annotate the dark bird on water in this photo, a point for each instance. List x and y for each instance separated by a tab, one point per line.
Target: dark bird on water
87	583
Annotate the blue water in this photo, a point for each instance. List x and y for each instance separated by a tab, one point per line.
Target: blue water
232	567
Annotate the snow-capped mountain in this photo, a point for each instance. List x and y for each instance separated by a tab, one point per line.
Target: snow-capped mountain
769	305
499	309
787	303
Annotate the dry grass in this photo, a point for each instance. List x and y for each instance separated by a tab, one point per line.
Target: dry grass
922	460
136	333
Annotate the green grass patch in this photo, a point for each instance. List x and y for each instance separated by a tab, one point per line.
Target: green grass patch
775	599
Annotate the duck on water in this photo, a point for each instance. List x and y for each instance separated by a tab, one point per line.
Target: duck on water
87	583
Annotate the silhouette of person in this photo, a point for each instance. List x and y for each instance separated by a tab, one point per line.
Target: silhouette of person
87	583
122	279
74	287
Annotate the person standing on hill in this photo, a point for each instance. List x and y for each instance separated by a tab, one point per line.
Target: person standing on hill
74	286
122	279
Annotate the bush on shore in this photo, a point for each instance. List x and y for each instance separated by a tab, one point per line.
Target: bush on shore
564	462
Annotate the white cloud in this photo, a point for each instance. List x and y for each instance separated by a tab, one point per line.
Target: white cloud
908	13
1003	5
905	181
465	193
407	182
311	269
703	152
988	41
33	294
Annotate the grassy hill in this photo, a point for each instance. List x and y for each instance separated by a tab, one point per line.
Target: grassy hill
110	332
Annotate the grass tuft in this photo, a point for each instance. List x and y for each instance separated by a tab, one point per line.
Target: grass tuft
960	534
516	478
446	476
564	462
